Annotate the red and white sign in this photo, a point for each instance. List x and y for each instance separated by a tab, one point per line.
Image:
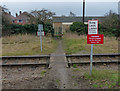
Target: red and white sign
95	39
92	26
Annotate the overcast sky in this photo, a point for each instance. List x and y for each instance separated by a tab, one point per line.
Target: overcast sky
63	8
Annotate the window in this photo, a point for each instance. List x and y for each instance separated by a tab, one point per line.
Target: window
19	21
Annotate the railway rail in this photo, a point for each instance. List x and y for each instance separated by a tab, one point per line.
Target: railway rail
41	60
97	59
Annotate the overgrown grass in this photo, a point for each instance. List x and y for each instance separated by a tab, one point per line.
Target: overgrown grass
103	78
27	45
78	44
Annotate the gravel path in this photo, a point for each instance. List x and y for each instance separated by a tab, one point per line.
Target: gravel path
58	66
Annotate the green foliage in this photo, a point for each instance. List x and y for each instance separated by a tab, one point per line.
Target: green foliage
109	26
48	28
26	29
79	27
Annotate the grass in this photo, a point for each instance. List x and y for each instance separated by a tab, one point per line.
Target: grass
27	45
43	72
78	44
57	81
74	66
103	78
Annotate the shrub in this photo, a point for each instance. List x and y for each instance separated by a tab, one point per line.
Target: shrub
79	27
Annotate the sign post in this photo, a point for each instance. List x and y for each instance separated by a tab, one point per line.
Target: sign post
92	29
40	29
91	59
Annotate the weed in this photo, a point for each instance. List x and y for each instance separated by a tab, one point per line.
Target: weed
74	66
75	84
57	81
95	85
73	76
76	69
43	72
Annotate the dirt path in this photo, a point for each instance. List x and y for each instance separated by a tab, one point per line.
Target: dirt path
58	71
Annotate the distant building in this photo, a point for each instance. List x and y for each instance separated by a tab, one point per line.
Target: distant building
22	18
62	24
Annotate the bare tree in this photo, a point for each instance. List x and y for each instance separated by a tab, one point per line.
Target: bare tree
42	15
72	14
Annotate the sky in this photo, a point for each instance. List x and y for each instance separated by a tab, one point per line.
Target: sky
59	0
63	8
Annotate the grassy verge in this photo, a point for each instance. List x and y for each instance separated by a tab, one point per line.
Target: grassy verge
27	45
103	78
78	44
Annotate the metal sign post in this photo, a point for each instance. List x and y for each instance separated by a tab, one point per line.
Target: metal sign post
91	59
40	29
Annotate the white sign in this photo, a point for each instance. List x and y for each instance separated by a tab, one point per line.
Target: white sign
92	26
40	27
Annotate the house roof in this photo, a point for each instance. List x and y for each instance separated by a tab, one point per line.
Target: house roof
75	19
23	16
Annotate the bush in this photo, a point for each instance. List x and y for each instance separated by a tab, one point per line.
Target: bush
79	27
82	29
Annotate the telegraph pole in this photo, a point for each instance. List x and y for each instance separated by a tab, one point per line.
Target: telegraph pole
83	10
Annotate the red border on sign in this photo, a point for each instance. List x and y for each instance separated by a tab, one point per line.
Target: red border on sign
97	24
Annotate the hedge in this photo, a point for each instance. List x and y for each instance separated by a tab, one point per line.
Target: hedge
26	29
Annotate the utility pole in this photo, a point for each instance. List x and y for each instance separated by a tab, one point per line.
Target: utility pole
83	10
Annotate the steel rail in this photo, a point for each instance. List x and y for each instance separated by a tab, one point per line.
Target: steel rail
34	56
88	55
25	64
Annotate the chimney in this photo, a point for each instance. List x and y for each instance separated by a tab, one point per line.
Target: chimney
9	13
16	14
20	12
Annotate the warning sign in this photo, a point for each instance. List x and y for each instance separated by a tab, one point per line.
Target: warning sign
92	26
95	39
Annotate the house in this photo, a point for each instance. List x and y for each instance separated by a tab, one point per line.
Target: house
62	24
22	18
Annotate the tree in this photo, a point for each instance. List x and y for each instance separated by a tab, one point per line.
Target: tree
110	24
72	14
42	16
5	19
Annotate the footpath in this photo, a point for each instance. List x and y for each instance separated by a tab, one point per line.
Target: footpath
58	69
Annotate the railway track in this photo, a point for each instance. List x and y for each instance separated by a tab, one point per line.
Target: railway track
42	60
97	59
